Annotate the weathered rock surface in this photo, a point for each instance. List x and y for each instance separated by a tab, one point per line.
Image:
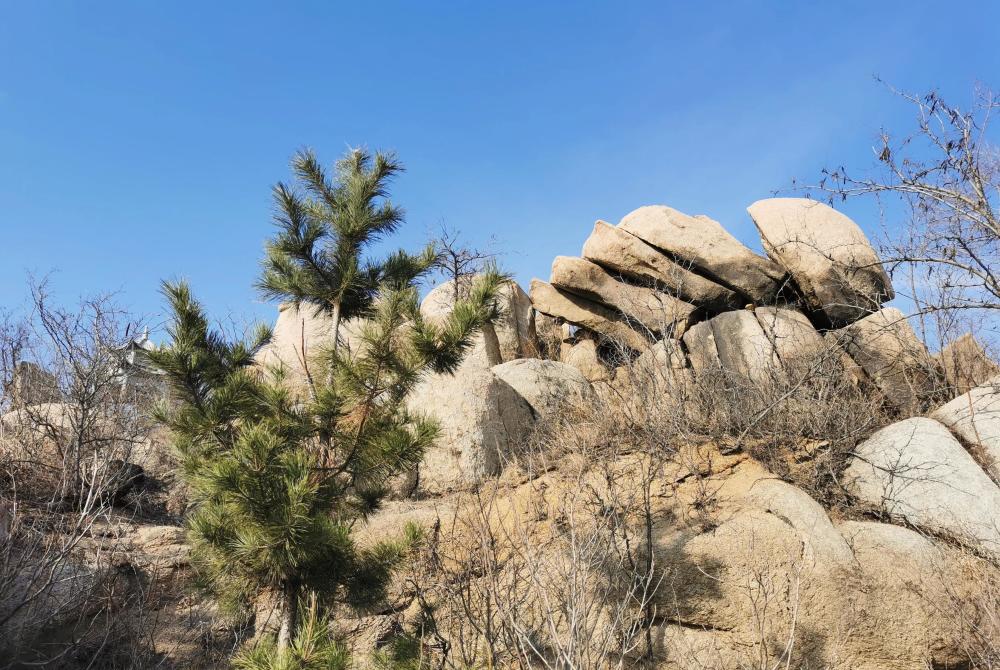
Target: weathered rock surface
551	389
582	312
708	247
826	254
647	307
892	356
743	347
791	334
582	355
966	364
821	541
482	420
702	352
515	331
917	471
620	251
974	417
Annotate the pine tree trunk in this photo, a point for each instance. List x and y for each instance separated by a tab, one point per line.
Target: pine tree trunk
336	325
289	615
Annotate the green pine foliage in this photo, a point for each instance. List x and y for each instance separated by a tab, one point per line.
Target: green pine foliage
278	480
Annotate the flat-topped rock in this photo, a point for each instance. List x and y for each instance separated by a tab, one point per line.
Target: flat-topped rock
619	251
827	255
708	247
586	313
652	309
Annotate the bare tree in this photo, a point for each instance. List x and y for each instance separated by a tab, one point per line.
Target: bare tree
457	262
942	182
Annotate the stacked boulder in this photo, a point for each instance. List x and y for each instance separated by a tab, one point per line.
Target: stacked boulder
662	275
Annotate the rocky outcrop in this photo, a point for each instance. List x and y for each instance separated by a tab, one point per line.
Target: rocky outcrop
700	343
966	364
514	332
621	252
481	418
582	355
826	254
551	389
892	356
974	417
648	308
791	335
708	248
586	313
916	471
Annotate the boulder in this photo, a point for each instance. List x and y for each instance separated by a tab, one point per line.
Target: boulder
791	334
551	389
821	541
31	384
763	577
619	251
298	335
744	349
515	331
583	356
586	313
708	248
966	364
892	356
482	420
661	367
826	254
974	417
651	309
702	352
915	470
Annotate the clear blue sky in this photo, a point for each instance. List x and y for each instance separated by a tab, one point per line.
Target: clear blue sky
139	140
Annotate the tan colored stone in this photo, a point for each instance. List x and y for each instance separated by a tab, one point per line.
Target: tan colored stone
551	389
966	364
619	251
481	418
583	356
586	313
744	349
702	352
892	356
974	417
791	334
826	254
651	309
708	247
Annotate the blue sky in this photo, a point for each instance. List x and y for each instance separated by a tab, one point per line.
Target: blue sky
139	140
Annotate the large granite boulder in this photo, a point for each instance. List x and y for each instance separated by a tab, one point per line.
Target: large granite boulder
743	347
582	354
915	470
482	421
974	417
700	343
708	248
791	334
515	330
826	254
586	313
551	389
648	308
893	357
966	364
619	251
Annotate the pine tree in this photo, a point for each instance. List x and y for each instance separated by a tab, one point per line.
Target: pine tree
279	481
